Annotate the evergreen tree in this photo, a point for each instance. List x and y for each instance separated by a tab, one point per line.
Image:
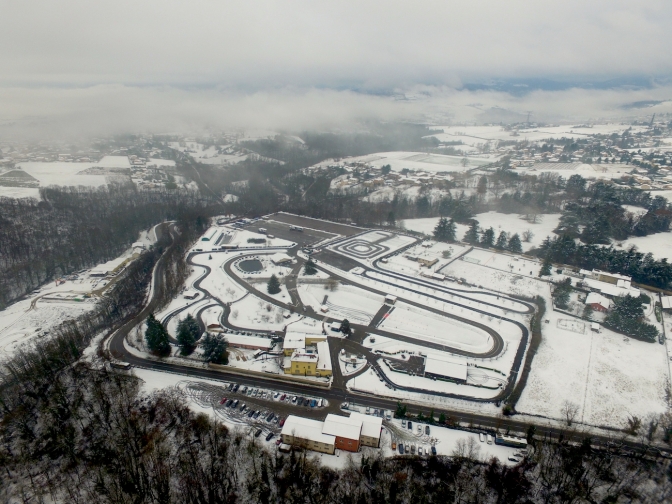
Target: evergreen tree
187	334
445	230
488	239
515	245
214	348
627	317
587	312
501	241
545	268
273	286
345	327
482	187
471	236
562	292
442	418
156	337
401	411
309	268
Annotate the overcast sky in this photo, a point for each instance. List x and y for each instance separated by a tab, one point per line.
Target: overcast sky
153	49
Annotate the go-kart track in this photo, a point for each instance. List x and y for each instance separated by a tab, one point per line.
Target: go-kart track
393	368
468	327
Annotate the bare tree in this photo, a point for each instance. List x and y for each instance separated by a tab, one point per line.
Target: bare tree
528	235
569	410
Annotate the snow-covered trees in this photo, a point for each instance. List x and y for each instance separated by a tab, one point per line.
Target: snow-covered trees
187	334
345	327
562	292
501	241
471	236
627	316
515	245
156	336
273	286
309	267
214	348
488	238
445	230
545	268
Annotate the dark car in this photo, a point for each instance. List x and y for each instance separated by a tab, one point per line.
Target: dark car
228	403
313	402
249	415
433	450
269	437
242	408
258	433
256	415
299	401
270	417
235	404
410	425
427	430
401	448
235	389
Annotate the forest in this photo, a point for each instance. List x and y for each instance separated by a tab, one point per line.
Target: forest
74	228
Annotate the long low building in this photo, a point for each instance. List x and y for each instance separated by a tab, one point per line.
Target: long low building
372	426
249	342
438	367
306	433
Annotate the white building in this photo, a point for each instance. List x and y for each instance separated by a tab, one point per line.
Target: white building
305	433
441	367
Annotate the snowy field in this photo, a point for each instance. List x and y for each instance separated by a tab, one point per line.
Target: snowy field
511	223
427	326
254	313
607	375
346	301
659	244
20	192
431	163
70	174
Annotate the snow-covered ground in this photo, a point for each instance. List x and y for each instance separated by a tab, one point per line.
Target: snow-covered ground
424	325
431	163
607	375
346	301
254	313
20	192
510	223
25	320
659	244
70	174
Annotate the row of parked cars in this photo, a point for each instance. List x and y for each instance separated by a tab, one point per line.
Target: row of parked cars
276	396
409	425
411	449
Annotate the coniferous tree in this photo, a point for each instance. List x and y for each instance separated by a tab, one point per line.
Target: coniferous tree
273	286
156	336
515	244
545	268
345	327
445	230
188	332
501	241
309	268
214	348
471	236
488	239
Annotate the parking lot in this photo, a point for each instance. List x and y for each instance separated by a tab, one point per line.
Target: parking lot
262	410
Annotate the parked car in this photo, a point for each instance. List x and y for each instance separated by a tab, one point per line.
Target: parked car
412	449
419	450
256	415
270	417
270	436
427	430
419	429
313	403
223	400
410	425
282	421
481	437
489	438
228	403
252	412
433	450
283	396
320	403
235	389
278	442
401	448
242	407
293	399
258	433
235	404
403	423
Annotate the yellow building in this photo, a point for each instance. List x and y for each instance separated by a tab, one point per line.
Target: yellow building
315	361
298	341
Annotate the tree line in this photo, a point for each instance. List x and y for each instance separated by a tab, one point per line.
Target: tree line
75	228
